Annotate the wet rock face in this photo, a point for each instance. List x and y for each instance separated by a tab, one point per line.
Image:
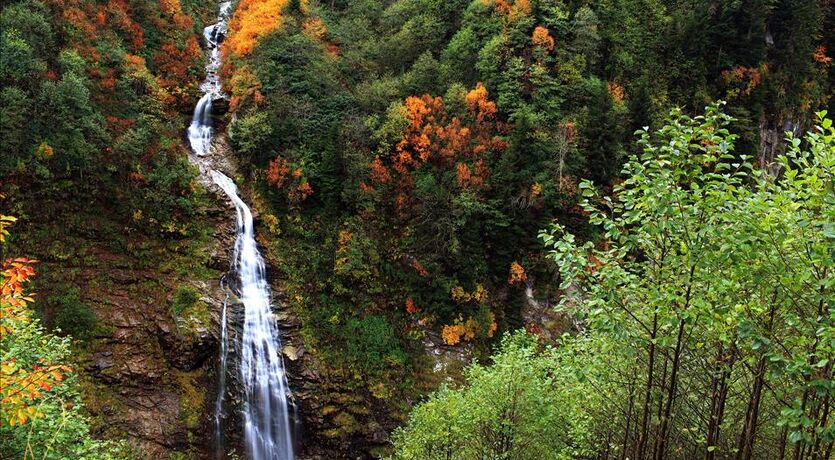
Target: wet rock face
220	107
333	419
147	368
188	352
292	352
146	373
772	139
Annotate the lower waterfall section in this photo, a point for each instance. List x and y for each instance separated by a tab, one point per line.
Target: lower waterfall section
220	405
268	429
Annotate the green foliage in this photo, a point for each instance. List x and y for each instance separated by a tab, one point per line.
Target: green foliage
373	344
72	315
93	109
184	299
601	136
63	430
42	413
572	81
250	134
527	404
709	267
87	106
13	127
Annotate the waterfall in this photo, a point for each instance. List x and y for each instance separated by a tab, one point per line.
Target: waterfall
221	384
200	131
266	407
266	400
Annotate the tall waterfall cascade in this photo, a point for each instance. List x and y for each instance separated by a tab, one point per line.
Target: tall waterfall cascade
266	406
266	402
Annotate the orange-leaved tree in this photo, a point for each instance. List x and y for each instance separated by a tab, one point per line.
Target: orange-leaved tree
41	410
437	142
253	20
22	385
428	190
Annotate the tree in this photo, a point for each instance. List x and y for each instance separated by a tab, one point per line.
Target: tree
431	185
710	294
251	22
39	399
601	139
526	405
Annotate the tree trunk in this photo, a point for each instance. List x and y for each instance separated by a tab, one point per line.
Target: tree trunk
671	392
642	439
627	431
719	396
745	443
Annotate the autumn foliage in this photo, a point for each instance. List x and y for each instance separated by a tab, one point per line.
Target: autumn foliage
542	38
21	387
277	172
517	274
244	87
513	9
437	141
411	308
820	56
742	80
468	330
616	91
253	19
315	28
290	179
179	51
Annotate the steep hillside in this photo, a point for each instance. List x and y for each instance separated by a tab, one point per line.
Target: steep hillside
409	152
95	98
405	161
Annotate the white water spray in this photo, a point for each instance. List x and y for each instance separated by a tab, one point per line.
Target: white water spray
266	406
201	130
266	399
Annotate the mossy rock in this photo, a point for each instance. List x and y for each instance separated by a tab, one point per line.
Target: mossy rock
346	425
381	452
192	399
188	310
358	409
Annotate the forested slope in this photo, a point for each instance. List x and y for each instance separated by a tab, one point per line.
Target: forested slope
412	150
403	156
95	96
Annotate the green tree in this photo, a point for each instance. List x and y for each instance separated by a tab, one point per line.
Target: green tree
527	404
41	410
601	139
711	296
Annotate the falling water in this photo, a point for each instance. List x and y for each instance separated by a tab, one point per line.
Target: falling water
266	407
221	384
200	131
266	404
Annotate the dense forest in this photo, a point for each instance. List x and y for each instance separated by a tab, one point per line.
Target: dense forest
481	229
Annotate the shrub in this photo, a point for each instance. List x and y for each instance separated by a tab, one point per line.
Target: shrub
372	343
73	316
184	298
